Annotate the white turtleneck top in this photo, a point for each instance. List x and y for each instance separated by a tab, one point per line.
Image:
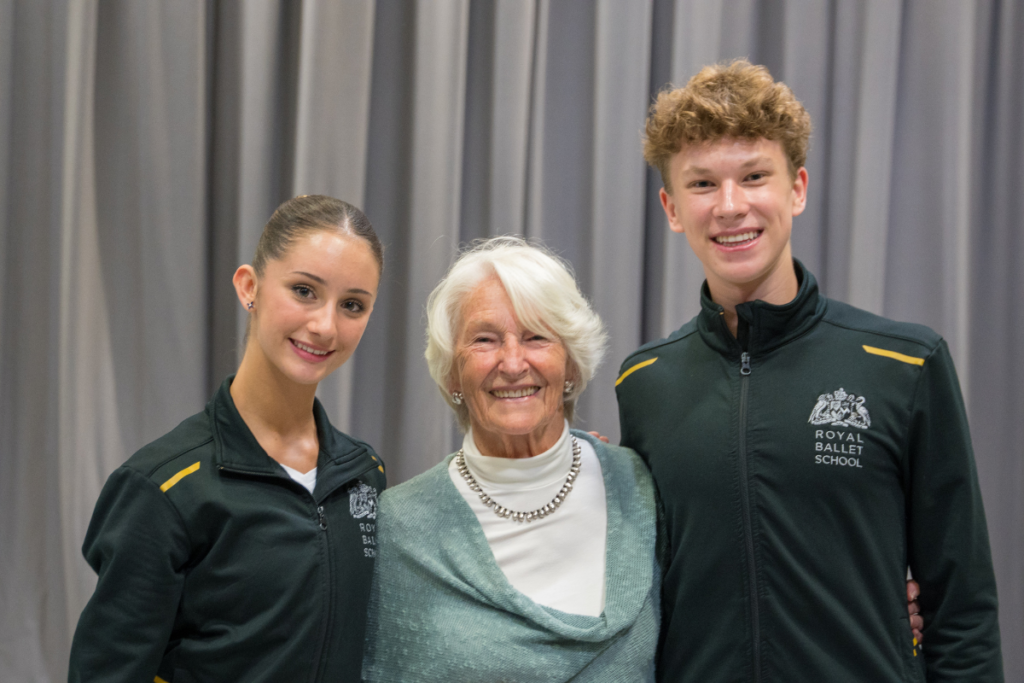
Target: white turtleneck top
558	561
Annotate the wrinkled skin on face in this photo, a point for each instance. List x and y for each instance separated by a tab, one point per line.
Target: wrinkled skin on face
512	377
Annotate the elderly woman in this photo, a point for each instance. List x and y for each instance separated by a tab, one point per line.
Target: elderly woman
528	555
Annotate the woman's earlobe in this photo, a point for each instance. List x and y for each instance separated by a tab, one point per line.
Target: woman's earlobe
245	283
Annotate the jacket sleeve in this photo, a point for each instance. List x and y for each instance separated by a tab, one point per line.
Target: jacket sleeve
948	539
137	544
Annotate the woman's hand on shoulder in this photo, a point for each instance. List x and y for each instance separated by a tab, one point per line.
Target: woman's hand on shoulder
916	621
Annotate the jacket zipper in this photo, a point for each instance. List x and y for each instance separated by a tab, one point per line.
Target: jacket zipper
326	539
321	520
321	658
748	533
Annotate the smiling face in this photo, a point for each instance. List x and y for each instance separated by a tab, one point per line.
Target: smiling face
735	200
512	377
311	305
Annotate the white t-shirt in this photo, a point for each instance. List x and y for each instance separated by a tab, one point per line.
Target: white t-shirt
558	561
308	479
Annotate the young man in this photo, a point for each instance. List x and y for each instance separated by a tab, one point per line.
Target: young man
806	452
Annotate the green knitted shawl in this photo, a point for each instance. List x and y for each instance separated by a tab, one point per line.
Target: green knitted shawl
442	610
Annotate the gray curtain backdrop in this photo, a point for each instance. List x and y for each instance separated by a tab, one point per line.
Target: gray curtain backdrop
143	145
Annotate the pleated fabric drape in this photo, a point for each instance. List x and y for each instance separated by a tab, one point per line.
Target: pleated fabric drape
144	145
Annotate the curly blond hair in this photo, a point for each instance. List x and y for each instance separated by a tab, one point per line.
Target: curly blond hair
735	100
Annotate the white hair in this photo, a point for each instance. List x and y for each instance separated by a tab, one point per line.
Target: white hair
544	296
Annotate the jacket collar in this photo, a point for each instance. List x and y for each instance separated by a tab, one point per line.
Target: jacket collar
768	326
340	459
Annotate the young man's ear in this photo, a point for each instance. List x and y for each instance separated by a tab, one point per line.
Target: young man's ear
800	191
245	281
669	205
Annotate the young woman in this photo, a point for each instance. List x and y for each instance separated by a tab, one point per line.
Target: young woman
240	546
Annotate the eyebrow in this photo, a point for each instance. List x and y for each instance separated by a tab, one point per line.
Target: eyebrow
317	278
756	161
481	324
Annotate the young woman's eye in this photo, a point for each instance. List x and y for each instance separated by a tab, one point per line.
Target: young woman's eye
353	306
303	291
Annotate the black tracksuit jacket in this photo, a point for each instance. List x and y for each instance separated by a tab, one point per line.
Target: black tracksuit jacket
802	466
215	566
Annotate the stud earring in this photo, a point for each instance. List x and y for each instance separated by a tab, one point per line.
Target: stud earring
569	386
251	305
457	398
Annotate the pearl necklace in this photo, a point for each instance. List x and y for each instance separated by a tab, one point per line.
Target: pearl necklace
539	513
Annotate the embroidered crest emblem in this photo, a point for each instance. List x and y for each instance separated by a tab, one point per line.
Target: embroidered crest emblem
840	409
362	501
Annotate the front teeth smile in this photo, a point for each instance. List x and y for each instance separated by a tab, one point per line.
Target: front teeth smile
517	393
308	349
733	239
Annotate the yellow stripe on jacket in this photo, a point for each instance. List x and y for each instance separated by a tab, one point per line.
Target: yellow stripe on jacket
633	369
892	354
179	476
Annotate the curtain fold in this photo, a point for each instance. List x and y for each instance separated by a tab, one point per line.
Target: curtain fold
87	420
622	60
931	164
144	145
421	420
33	599
334	72
872	172
995	293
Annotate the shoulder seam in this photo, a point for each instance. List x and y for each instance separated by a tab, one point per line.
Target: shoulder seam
905	446
650	346
177	454
890	335
167	499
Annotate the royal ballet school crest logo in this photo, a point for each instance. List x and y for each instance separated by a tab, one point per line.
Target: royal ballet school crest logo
362	501
840	409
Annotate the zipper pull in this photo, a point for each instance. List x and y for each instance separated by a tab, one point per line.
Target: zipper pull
745	363
323	517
